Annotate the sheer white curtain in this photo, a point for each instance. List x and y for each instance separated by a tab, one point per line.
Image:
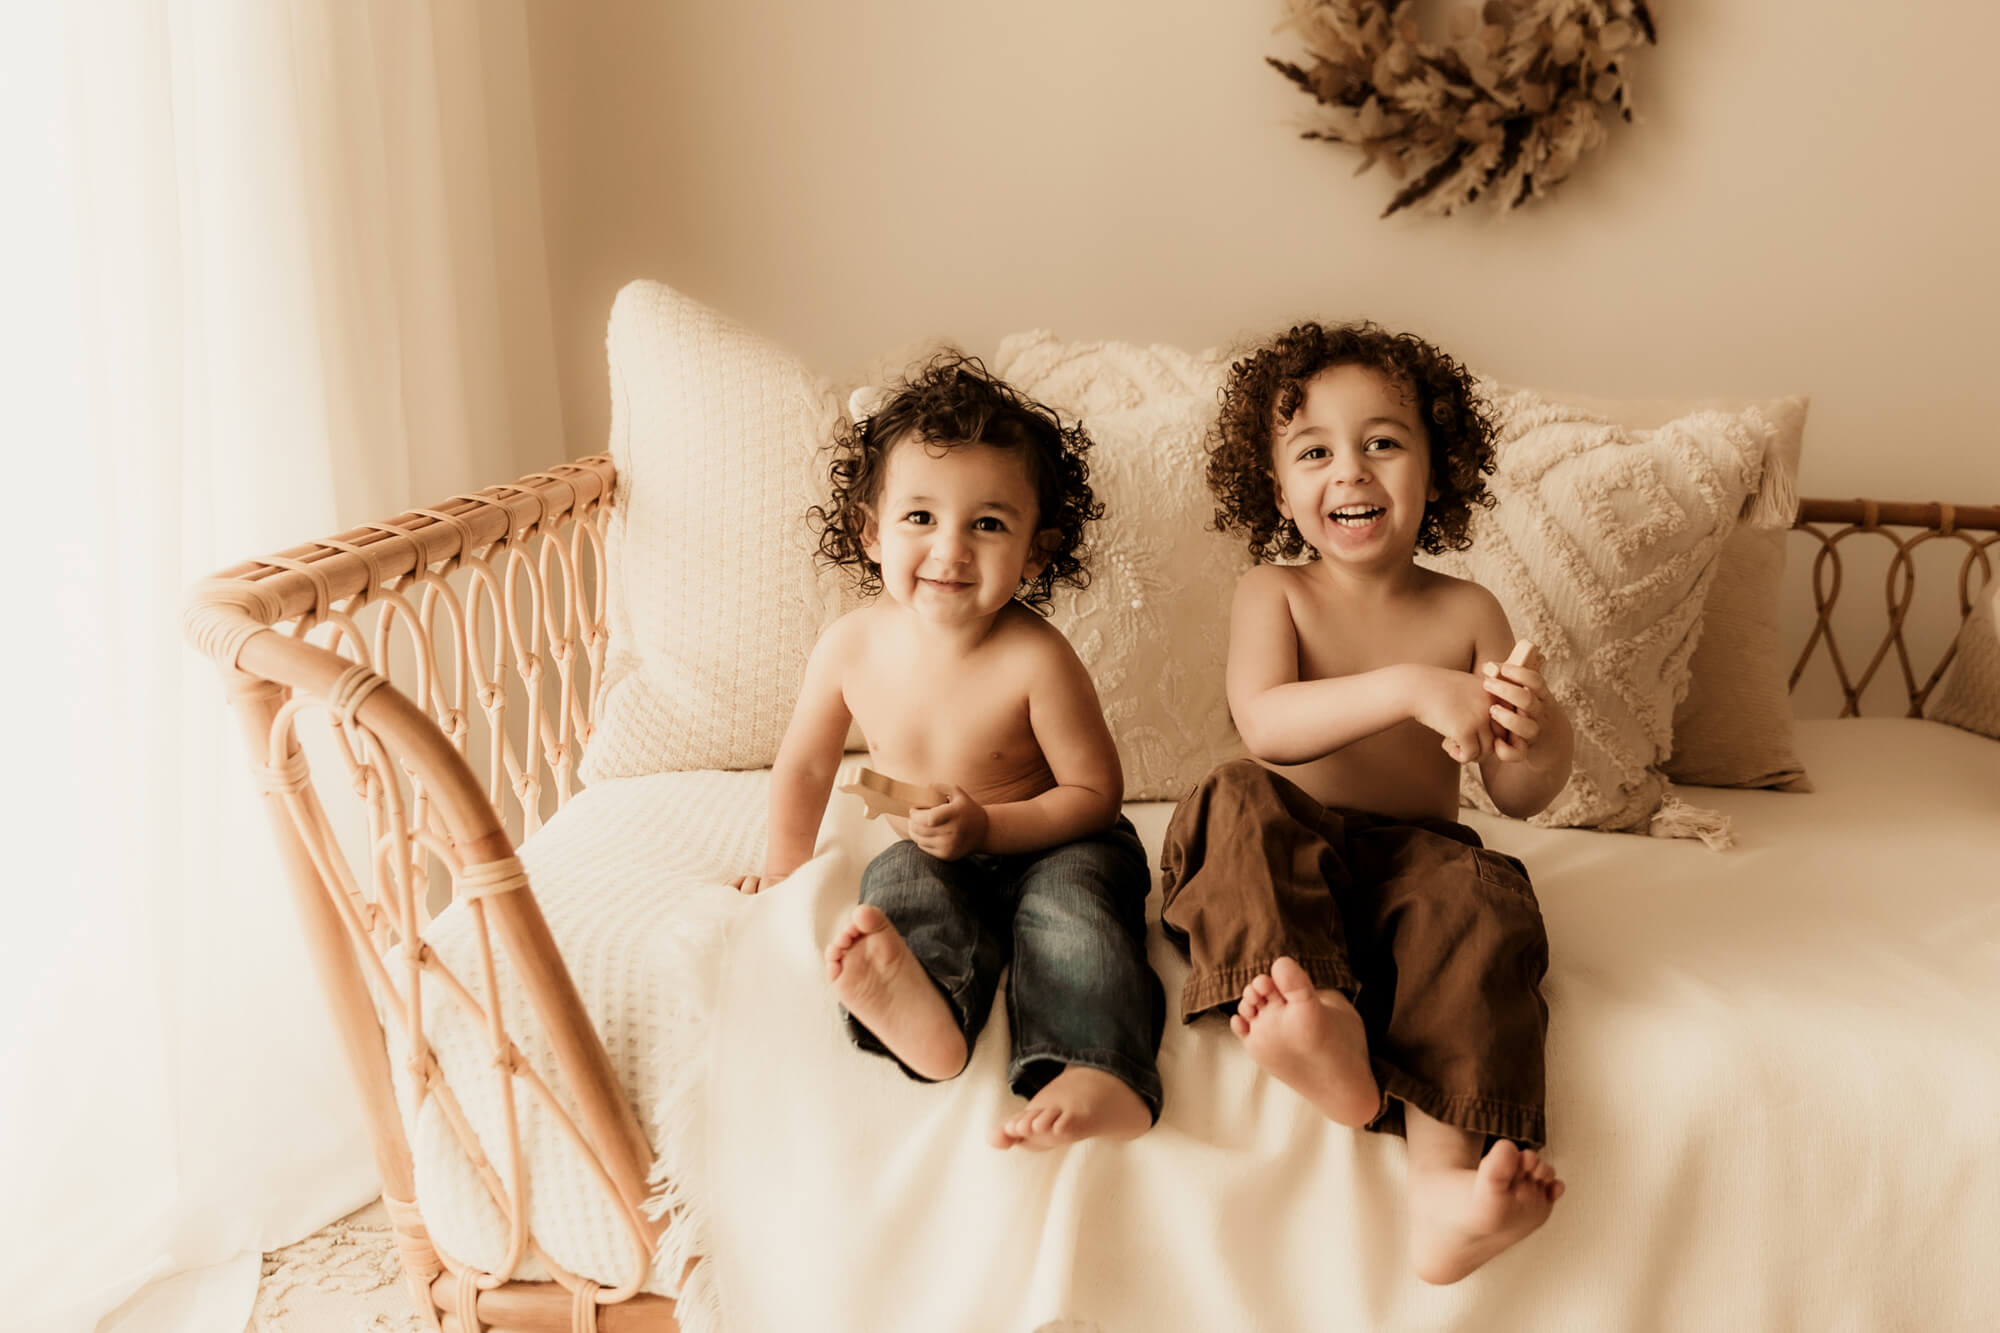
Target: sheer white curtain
273	269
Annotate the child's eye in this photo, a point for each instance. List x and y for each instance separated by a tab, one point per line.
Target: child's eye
919	517
1316	452
988	525
1384	442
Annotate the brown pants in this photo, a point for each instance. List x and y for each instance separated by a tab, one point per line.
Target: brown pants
1435	938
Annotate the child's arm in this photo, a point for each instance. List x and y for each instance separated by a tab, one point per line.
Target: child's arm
1533	743
1285	720
1090	784
808	759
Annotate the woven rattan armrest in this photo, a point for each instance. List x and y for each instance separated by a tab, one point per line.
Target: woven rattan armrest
465	607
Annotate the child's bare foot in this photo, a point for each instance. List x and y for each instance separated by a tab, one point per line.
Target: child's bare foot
887	990
1461	1217
1076	1104
1311	1040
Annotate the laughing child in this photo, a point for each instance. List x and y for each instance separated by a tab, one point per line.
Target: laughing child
960	504
1370	952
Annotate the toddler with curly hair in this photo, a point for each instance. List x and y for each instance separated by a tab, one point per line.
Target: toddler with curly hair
960	504
1370	952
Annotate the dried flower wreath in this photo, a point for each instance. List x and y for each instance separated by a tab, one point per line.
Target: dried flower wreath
1504	110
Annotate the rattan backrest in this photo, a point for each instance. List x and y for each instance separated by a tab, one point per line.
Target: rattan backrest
1956	541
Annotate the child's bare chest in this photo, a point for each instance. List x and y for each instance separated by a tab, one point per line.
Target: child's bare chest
1401	770
969	726
1339	638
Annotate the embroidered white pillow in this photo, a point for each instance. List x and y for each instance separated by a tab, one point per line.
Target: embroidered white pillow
1087	379
714	597
1969	696
1153	626
1601	548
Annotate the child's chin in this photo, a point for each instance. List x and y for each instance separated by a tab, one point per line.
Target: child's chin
950	608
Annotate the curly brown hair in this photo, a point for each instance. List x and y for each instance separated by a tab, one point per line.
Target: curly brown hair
1266	387
951	400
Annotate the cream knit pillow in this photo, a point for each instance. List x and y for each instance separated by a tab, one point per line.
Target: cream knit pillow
1602	549
1969	696
1734	727
714	598
1153	626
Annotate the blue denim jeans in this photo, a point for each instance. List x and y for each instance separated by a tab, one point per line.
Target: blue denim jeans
1071	920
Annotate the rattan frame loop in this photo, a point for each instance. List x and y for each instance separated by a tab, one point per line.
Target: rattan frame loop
583	1308
541	504
490	877
350	691
322	589
225	613
365	553
466	550
468	1301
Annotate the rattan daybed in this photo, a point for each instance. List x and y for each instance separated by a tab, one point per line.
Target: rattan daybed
443	668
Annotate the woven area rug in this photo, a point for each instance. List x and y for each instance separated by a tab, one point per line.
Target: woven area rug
344	1278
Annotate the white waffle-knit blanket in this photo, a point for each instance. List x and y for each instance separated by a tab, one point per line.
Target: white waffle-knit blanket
1773	1090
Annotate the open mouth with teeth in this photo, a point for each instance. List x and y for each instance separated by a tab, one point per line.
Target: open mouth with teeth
1356	516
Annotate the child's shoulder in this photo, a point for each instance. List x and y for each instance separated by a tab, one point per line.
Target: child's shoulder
1024	646
1261	580
1454	596
1267	588
851	631
1264	591
1019	629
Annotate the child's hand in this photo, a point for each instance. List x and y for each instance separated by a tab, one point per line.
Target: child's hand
950	830
1519	701
1455	705
755	883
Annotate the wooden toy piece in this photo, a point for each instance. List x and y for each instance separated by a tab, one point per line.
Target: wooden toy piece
1525	654
886	796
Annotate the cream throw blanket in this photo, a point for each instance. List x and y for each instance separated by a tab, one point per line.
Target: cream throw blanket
1774	1091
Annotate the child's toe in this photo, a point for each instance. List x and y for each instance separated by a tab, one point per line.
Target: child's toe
1290	981
1501	1165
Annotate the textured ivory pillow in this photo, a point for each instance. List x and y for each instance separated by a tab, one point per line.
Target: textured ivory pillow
1969	696
714	599
1153	626
1734	728
1086	379
1602	549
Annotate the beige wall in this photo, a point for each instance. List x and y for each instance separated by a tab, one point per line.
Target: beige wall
1807	204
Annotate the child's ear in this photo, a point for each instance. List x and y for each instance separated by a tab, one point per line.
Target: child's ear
1047	542
1284	505
871	535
